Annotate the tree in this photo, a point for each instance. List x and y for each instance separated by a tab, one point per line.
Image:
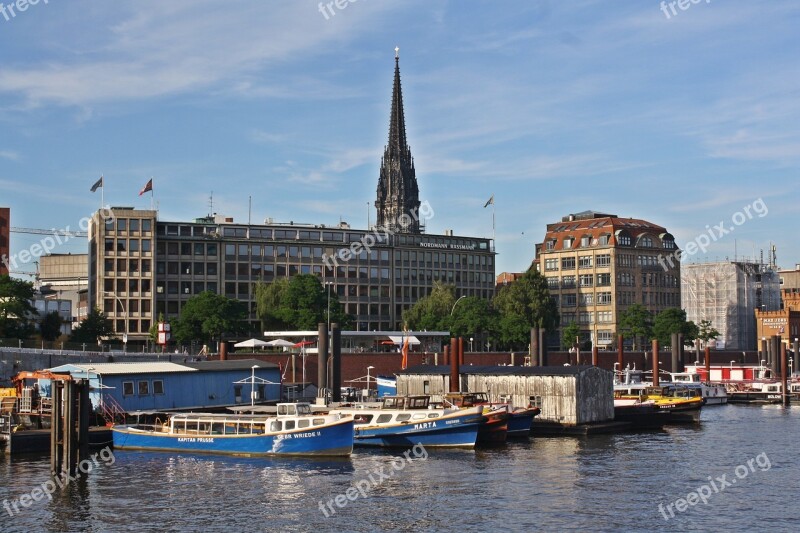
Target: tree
569	334
636	322
706	332
50	328
16	310
432	312
92	328
472	316
208	316
303	304
671	321
269	298
153	331
524	304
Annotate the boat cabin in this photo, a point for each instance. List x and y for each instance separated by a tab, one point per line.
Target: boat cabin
405	402
294	409
466	399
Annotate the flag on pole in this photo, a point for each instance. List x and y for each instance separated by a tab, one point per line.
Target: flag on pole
404	363
148	187
490	201
97	185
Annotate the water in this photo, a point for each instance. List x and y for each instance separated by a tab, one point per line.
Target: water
598	483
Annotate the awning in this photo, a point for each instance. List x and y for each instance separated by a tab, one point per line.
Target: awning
412	340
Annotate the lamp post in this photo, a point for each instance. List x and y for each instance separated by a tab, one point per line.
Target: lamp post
253	385
368	376
454	305
328	286
470	343
124	319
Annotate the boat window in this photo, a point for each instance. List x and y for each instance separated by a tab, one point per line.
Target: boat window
303	423
319	421
402	417
362	419
382	419
275	426
433	415
419	416
217	428
258	428
289	424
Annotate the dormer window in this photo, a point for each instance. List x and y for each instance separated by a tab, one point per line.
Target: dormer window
586	240
568	242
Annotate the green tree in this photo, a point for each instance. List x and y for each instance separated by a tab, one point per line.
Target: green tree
568	335
153	331
208	316
92	328
304	303
472	316
16	310
706	332
432	312
636	322
522	305
50	328
671	321
269	298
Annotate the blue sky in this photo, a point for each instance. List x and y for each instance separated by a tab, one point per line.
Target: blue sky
554	107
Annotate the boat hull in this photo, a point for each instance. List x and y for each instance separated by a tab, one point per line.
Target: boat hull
520	423
755	397
335	439
452	431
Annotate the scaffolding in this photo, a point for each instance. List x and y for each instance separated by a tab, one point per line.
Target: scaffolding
727	294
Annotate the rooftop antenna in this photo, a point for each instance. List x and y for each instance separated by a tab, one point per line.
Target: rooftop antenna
211	204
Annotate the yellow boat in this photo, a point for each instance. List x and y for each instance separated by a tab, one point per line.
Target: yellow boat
682	403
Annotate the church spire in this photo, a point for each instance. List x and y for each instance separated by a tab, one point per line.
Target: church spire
398	193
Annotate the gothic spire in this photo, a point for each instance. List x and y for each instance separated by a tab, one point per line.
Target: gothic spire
398	194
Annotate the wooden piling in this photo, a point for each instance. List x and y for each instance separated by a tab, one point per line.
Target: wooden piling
455	385
56	428
620	352
322	359
655	362
336	366
446	355
784	377
460	352
707	362
594	355
675	351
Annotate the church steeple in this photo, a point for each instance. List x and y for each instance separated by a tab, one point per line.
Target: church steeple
398	193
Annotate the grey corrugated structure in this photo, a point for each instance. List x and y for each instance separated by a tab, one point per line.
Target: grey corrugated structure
568	395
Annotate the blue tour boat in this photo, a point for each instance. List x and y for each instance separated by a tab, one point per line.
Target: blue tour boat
403	421
294	431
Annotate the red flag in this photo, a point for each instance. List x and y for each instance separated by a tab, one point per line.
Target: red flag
404	364
148	187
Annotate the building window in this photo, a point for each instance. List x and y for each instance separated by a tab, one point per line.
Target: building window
623	239
669	244
551	264
567	263
586	280
587	300
568	241
568	282
585	261
604	298
552	282
585	317
604	317
569	300
646	242
603	260
158	386
144	388
127	388
550	244
586	240
603	280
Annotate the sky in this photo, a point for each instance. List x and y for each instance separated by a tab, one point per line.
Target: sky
687	118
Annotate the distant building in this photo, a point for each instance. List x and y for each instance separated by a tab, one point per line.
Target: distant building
728	293
63	307
790	279
140	266
784	322
64	276
597	265
507	278
5	239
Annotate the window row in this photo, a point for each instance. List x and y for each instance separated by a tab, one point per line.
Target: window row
127	286
130	225
130	266
127	245
143	387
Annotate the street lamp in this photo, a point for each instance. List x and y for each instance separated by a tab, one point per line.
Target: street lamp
253	385
124	319
368	376
328	286
454	305
470	343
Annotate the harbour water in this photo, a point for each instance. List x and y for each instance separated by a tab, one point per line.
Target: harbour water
741	460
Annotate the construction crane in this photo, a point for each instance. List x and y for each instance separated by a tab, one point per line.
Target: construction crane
59	232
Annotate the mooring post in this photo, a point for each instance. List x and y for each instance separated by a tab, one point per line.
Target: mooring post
84	414
655	362
336	354
784	377
56	427
455	379
620	352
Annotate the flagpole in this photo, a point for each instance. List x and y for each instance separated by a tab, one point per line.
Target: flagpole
494	246
152	195
102	192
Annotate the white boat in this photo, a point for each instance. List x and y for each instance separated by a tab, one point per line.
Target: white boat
713	394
